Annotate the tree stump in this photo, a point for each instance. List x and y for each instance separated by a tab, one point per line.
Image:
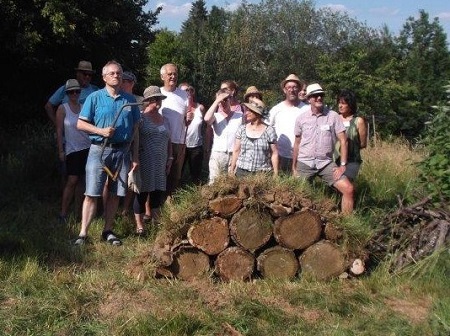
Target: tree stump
212	236
299	230
251	228
234	263
190	263
277	263
225	206
322	260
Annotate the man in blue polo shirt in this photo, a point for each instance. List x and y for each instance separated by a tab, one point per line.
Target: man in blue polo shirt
84	74
96	118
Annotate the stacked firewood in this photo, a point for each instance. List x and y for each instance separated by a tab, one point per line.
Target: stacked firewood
411	233
256	233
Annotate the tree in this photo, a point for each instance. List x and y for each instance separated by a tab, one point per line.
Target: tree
163	50
44	40
424	51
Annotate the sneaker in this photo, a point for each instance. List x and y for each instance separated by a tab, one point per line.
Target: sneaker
81	240
111	238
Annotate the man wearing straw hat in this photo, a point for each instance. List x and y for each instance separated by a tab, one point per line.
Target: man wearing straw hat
282	117
84	74
317	129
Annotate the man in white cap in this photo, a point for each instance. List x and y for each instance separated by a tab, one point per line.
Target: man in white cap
282	117
317	129
84	74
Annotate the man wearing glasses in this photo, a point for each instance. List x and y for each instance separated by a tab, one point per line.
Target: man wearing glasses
84	74
100	119
317	129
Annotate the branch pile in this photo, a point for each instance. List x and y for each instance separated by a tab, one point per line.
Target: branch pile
411	233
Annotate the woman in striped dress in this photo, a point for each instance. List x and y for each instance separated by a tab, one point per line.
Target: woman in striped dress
155	157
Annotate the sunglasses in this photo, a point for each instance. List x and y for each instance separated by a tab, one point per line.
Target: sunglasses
315	95
71	92
153	100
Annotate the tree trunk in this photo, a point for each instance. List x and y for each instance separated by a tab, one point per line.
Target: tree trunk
299	230
322	260
190	263
251	228
212	236
235	263
225	206
277	263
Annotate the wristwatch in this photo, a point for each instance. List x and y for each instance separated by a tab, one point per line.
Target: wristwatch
343	163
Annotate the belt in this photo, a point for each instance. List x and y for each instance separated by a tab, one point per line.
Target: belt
110	144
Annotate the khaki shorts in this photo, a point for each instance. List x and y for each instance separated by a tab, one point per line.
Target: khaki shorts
326	173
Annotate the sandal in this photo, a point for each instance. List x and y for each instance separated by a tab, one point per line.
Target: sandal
140	232
111	238
81	240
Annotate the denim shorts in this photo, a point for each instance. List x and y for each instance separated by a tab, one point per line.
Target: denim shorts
114	158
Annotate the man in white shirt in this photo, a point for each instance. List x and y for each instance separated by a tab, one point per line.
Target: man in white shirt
175	109
282	117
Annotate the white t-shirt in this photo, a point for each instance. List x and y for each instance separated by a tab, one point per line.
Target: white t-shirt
194	137
282	117
174	108
225	131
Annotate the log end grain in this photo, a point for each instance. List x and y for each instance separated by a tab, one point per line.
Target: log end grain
234	263
322	260
212	236
190	263
277	263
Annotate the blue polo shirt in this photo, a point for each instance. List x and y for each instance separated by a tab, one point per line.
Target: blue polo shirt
100	108
60	96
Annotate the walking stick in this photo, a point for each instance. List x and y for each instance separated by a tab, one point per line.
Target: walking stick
113	175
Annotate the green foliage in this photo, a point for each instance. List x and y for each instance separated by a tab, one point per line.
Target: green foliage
435	168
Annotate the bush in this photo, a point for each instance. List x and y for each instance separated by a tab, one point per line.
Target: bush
435	168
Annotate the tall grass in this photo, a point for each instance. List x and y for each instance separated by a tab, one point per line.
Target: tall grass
49	287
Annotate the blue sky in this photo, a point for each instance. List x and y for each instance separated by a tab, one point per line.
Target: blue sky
374	13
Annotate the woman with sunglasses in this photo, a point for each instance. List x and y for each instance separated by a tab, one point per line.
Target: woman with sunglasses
155	158
73	144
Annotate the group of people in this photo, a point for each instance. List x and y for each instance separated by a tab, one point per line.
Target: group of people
107	134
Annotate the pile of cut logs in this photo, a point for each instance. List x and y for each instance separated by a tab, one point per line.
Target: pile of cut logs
275	235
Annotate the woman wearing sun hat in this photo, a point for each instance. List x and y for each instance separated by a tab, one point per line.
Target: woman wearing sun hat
155	157
252	93
73	144
255	147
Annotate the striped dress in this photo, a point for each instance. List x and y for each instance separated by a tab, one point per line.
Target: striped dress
153	145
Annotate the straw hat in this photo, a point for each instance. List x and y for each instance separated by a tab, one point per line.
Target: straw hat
72	84
85	66
313	89
152	92
291	78
252	90
257	108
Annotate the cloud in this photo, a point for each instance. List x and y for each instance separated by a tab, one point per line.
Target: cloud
444	16
338	8
174	11
385	11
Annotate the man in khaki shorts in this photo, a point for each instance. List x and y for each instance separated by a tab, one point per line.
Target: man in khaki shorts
317	129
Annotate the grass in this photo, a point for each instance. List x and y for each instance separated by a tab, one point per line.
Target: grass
50	288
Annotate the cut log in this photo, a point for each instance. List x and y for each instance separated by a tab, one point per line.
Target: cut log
332	232
251	228
234	263
322	260
190	263
277	263
299	230
225	206
212	236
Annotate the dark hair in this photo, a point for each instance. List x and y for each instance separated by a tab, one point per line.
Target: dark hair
350	98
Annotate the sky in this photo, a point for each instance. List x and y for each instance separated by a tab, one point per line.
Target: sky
375	13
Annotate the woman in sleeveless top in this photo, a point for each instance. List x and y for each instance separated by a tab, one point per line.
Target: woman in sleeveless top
73	144
356	129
